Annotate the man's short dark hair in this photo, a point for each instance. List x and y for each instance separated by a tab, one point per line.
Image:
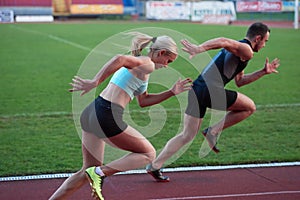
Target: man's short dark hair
257	28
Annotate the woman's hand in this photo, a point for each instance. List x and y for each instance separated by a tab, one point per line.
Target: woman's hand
84	85
181	86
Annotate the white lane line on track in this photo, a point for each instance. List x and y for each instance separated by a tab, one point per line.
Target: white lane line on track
231	195
143	171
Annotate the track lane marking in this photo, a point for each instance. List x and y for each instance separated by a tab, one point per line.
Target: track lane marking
231	195
143	171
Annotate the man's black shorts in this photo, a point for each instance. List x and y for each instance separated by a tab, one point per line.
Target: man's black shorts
202	97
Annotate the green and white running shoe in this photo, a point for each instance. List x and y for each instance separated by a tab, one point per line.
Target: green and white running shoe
96	182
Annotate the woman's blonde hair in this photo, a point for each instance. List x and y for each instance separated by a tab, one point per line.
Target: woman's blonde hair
141	40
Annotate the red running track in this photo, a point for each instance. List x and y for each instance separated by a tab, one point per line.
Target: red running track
271	183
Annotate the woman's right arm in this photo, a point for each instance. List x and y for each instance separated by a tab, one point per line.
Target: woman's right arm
118	61
114	64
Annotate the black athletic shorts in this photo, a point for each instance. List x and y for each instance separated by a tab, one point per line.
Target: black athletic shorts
103	118
202	97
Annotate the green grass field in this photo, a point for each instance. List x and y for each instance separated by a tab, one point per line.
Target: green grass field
37	130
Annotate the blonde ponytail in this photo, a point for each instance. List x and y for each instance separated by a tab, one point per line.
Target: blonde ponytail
141	40
165	42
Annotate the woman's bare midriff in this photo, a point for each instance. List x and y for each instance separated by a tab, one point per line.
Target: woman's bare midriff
115	95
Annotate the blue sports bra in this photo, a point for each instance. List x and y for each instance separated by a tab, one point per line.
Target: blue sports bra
132	85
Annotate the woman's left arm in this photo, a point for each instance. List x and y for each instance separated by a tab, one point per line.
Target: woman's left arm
180	86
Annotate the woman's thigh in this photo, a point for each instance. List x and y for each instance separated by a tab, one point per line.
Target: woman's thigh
92	150
131	140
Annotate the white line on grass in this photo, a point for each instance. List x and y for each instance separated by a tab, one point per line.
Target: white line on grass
56	38
62	113
284	105
231	195
143	171
63	40
69	42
